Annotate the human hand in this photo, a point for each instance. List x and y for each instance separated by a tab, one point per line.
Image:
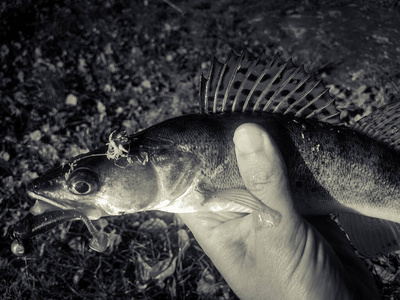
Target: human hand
277	254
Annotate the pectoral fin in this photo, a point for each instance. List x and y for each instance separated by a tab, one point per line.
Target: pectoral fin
241	197
371	236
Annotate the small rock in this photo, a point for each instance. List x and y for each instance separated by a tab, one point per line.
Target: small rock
101	107
4	156
146	84
35	135
71	100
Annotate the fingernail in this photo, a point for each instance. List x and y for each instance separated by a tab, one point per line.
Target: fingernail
248	139
268	219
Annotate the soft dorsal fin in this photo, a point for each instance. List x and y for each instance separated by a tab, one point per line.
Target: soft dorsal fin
383	125
262	85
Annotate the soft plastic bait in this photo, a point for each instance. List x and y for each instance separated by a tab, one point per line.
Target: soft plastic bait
34	225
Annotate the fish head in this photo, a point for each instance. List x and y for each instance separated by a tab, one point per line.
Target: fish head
97	186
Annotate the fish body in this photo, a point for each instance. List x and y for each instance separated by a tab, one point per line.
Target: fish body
188	164
330	168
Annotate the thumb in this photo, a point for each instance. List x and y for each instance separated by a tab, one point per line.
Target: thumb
262	167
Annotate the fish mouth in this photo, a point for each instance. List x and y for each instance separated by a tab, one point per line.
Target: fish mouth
44	204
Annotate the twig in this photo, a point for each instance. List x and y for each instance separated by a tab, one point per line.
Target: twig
174	6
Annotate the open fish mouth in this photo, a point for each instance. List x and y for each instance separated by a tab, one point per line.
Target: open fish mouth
44	204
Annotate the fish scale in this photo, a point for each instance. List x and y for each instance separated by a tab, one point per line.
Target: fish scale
188	164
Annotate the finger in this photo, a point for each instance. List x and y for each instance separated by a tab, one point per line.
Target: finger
262	167
336	237
216	232
201	223
331	232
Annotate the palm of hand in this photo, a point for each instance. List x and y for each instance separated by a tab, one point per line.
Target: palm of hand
301	265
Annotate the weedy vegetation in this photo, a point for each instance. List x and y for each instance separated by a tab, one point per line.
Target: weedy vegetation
73	72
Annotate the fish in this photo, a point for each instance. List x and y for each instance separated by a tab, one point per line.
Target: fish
188	164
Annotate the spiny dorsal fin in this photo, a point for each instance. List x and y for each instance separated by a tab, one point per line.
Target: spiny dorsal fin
382	125
263	85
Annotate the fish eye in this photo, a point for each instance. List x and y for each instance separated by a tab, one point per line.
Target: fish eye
83	181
